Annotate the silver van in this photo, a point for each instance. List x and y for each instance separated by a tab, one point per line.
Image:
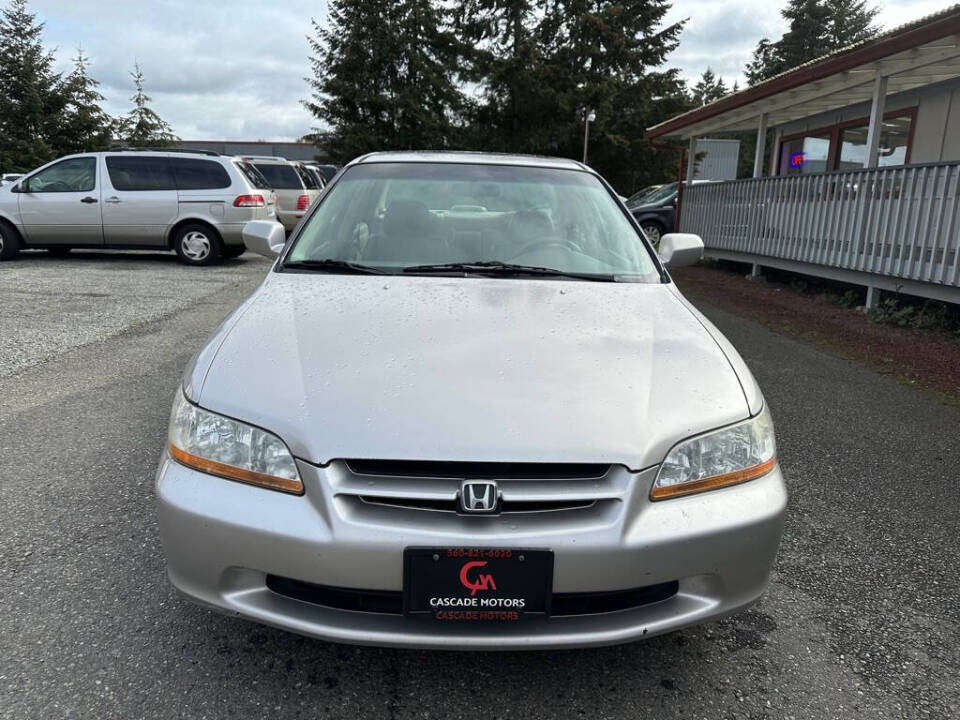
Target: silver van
194	203
294	187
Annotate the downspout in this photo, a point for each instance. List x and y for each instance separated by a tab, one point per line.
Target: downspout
683	154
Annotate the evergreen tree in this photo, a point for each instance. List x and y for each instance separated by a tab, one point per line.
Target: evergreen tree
85	126
600	54
142	126
709	88
383	78
502	50
815	28
30	92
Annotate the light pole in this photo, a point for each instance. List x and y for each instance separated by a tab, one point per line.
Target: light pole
588	116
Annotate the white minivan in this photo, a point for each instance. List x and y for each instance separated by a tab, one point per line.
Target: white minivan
194	203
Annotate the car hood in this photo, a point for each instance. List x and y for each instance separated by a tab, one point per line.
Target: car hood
472	369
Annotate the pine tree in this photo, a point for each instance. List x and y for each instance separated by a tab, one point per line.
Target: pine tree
815	28
709	88
30	94
501	45
142	126
383	78
85	126
602	54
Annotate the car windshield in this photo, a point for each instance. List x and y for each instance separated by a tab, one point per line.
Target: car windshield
662	193
641	194
397	216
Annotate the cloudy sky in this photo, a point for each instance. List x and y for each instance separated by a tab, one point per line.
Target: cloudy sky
219	70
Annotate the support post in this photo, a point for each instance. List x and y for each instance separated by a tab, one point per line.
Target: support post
755	271
775	152
692	159
877	105
873	298
761	146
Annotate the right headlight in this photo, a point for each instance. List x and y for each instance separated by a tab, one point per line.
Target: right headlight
717	459
222	446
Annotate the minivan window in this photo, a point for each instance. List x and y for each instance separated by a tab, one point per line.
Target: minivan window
194	174
139	173
402	215
253	176
73	175
280	176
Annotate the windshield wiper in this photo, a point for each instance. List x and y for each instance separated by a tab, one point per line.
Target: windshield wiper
495	267
332	266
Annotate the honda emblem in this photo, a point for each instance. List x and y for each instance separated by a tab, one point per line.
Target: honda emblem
479	496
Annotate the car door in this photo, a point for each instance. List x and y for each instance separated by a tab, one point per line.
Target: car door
60	204
139	199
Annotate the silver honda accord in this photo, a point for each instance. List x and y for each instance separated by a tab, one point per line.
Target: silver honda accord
469	409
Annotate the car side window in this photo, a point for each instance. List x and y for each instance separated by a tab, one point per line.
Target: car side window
140	173
199	174
73	175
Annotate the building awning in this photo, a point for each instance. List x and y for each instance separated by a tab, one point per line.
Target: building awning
920	53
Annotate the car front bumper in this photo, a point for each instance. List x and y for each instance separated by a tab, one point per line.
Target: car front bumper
223	539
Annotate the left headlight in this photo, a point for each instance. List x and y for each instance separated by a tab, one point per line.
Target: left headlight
717	459
229	448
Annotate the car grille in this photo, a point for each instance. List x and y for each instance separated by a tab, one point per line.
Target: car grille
525	488
391	602
477	470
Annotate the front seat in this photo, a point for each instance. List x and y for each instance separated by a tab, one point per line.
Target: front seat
409	235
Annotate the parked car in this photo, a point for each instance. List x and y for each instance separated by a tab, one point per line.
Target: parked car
194	203
293	197
8	178
312	180
318	178
328	171
488	420
656	210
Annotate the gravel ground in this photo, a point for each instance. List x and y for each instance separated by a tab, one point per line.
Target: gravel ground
861	621
52	305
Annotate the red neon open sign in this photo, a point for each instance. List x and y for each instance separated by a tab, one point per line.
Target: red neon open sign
798	159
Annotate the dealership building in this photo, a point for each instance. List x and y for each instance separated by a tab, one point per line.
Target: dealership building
856	176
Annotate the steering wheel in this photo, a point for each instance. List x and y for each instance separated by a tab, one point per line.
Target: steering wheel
544	242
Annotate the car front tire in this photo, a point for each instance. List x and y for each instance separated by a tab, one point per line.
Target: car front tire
653	231
197	244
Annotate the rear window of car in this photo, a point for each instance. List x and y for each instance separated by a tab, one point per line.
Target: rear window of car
140	173
309	181
280	176
253	176
199	174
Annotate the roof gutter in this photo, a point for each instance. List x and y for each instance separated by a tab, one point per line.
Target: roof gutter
870	51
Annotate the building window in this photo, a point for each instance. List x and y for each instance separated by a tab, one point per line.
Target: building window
894	141
807	154
844	146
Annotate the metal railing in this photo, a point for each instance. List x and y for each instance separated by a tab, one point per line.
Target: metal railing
899	223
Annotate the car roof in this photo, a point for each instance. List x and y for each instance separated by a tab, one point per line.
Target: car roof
472	158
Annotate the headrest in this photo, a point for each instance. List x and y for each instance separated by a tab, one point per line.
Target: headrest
407	217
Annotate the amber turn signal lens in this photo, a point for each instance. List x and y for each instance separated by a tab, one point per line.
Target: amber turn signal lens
234	473
712	483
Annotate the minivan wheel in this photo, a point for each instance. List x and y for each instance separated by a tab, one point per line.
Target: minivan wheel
233	251
9	242
653	231
197	244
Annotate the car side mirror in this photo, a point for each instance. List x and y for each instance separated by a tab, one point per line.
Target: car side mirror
264	237
680	249
21	187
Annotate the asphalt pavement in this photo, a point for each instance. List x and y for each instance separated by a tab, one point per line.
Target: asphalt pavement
862	619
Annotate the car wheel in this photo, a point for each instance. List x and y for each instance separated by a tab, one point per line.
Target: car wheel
59	251
653	231
197	244
9	242
233	251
